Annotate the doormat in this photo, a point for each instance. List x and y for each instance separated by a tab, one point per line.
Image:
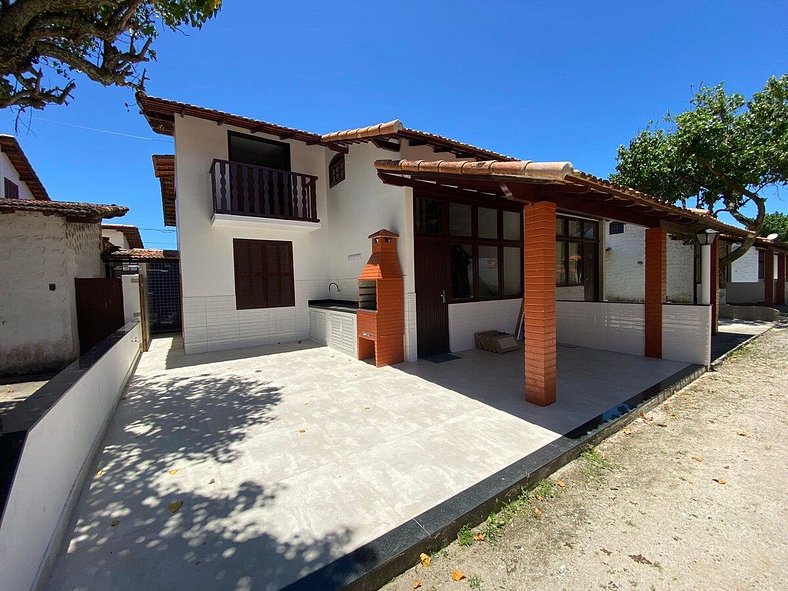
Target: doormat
440	358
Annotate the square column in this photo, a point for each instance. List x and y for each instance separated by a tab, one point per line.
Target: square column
781	279
768	277
539	303
656	288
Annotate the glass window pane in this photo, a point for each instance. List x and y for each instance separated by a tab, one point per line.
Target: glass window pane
575	228
575	263
560	266
459	219
560	227
512	271
461	271
590	229
429	216
488	222
511	225
488	272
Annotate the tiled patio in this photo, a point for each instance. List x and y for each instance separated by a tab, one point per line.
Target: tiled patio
287	457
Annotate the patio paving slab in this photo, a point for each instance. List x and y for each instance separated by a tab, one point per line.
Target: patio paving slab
287	457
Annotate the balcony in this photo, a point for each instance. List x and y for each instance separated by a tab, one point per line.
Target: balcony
263	196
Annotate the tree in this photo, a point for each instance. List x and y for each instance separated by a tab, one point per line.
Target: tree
720	155
776	223
45	43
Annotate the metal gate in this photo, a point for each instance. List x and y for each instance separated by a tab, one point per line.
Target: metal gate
99	310
163	290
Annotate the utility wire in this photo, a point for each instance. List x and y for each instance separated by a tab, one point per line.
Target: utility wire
128	135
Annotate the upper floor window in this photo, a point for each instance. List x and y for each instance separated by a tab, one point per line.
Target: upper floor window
336	170
11	189
246	149
263	274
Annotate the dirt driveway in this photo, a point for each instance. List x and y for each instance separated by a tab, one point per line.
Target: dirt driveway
690	496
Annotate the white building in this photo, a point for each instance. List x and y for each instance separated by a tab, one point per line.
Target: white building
45	245
272	219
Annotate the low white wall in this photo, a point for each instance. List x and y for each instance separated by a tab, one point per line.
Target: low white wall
750	292
131	297
469	318
686	333
57	453
602	325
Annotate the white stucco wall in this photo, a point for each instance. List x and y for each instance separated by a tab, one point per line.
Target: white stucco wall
8	171
468	318
337	251
55	458
116	237
745	269
624	266
38	326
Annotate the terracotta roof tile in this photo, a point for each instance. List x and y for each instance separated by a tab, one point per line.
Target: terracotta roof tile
11	148
89	211
142	254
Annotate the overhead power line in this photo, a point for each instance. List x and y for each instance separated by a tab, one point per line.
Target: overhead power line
118	133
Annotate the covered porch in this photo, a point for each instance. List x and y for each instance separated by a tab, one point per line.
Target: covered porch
653	328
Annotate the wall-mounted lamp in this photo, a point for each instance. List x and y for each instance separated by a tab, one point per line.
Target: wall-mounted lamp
706	237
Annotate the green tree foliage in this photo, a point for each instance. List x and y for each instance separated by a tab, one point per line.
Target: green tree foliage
719	155
45	43
776	223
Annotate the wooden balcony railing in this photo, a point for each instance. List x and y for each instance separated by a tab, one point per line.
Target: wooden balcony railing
242	189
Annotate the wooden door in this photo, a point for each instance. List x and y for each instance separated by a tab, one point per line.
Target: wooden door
99	310
432	285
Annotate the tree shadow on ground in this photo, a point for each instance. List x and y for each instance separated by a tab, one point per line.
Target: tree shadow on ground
172	503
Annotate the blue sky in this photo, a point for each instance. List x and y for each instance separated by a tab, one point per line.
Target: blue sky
542	81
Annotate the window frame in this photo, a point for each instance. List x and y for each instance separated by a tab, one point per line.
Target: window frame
584	241
243	281
335	166
445	238
10	186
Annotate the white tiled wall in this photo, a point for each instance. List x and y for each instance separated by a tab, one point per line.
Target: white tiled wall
410	326
686	333
469	318
602	325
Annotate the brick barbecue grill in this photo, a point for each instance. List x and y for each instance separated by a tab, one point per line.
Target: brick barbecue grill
381	313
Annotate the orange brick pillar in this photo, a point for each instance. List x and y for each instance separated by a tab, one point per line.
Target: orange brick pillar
539	303
768	277
715	289
656	288
781	279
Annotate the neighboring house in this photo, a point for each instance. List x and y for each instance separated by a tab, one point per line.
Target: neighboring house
747	276
122	236
45	245
271	220
160	271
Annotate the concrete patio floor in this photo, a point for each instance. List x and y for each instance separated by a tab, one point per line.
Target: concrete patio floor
287	457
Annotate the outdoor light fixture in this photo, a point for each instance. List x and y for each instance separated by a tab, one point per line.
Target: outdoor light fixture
706	237
771	237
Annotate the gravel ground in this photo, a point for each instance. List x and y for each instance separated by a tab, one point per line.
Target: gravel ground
690	496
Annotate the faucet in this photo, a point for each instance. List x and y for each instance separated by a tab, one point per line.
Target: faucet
329	287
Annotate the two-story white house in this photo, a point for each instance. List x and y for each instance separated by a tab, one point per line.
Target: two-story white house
274	227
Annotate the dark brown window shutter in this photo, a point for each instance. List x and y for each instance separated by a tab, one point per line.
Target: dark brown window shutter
263	274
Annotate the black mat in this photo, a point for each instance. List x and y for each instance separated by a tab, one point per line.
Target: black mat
440	358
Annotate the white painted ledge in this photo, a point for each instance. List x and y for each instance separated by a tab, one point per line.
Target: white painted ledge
229	220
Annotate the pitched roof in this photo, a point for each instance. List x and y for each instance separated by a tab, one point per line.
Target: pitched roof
88	212
414	137
11	148
555	181
132	233
142	254
161	113
164	169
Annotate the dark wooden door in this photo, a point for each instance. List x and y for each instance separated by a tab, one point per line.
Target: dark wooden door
99	310
432	284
